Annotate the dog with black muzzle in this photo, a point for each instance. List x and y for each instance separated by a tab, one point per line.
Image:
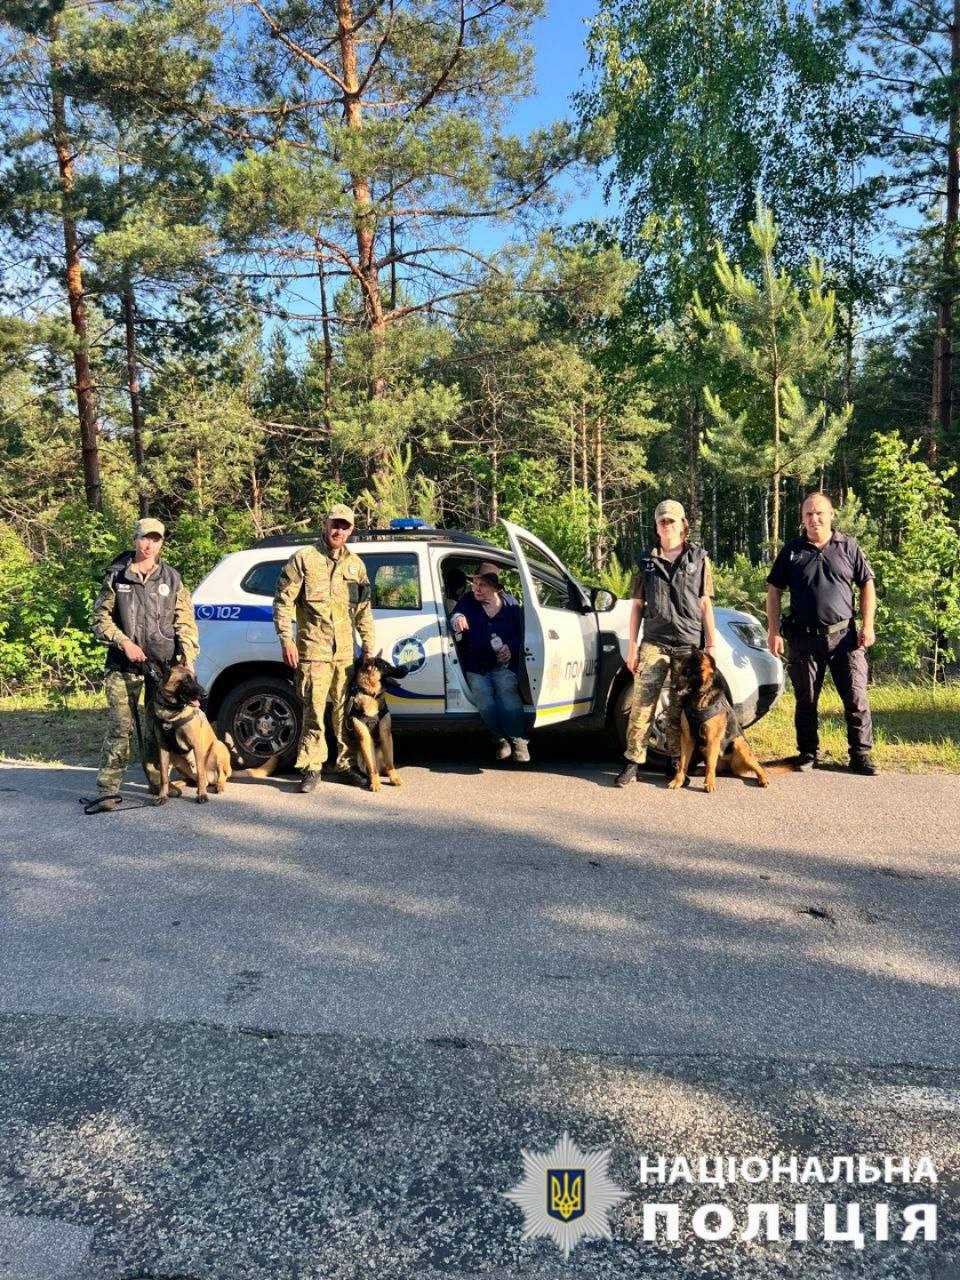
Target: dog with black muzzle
185	737
709	724
368	720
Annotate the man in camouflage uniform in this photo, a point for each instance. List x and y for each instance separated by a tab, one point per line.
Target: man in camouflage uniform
672	597
324	588
143	612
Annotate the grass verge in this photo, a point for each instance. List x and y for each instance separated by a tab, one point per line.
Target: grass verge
917	728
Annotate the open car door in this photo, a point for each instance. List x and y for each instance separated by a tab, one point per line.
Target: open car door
561	634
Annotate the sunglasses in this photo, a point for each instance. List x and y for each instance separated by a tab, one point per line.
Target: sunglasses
340	524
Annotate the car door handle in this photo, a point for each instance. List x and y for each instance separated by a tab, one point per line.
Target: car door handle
552	634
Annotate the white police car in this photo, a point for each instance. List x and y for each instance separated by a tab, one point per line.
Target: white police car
575	639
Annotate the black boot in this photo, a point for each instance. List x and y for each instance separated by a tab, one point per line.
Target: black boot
863	764
626	775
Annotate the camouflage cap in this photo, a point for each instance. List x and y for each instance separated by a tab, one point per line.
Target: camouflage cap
148	525
340	511
669	509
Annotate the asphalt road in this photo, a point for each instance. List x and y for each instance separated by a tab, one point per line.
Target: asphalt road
298	1036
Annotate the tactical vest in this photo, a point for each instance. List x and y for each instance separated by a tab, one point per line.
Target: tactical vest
671	609
145	611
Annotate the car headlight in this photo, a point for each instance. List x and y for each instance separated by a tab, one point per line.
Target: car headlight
751	633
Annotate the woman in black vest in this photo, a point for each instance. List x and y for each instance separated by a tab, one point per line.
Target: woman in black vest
672	593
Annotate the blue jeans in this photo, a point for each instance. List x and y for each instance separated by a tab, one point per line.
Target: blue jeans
497	698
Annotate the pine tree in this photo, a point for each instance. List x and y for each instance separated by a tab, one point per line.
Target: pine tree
780	340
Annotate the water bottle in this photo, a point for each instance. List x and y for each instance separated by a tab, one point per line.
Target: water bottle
496	644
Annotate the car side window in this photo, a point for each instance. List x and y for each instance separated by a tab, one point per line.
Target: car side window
394	579
261	580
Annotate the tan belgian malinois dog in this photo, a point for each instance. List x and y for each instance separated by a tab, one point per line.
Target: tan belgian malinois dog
185	737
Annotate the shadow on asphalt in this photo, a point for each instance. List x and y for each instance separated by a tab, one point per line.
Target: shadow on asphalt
203	1136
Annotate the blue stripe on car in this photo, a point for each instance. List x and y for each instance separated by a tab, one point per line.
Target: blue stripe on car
233	612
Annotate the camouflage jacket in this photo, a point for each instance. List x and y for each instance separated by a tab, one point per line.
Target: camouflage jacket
329	598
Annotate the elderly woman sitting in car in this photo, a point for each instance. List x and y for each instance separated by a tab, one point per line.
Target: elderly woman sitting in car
489	630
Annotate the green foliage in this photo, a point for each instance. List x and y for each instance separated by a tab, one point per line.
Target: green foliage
566	524
45	639
741	584
915	553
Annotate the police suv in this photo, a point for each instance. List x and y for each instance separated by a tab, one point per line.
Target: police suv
575	639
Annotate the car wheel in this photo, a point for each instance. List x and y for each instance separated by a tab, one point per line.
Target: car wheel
261	718
620	715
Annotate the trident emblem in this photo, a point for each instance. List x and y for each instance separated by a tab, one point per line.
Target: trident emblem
565	1194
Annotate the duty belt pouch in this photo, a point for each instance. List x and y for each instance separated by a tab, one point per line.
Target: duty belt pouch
838	628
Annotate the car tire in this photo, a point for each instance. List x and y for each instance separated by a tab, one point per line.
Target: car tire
620	715
259	719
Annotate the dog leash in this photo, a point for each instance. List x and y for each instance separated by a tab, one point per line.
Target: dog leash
125	802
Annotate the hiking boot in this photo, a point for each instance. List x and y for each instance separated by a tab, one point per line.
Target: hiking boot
104	804
626	775
807	760
863	765
521	752
310	780
503	749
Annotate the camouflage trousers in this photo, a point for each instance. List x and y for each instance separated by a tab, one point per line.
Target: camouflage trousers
653	670
316	683
123	693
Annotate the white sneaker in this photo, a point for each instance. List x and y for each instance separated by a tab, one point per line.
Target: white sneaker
503	749
521	751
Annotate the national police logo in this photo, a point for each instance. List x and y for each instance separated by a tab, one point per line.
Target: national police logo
409	653
566	1194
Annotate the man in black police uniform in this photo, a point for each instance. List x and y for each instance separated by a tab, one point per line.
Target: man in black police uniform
820	570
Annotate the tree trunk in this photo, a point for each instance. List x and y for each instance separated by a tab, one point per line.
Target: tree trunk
83	378
327	346
599	548
774	539
494	478
694	477
942	424
573	451
256	502
585	485
364	216
133	388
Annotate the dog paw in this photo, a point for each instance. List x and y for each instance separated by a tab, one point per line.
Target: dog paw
763	781
710	785
202	799
676	782
395	779
158	800
374	784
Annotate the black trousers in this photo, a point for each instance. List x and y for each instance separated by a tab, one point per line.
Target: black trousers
808	659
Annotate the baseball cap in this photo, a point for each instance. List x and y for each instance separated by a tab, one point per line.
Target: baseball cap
148	525
669	509
340	511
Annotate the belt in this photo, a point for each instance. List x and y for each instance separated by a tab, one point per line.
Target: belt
827	629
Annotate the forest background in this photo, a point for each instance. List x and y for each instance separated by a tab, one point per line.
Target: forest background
262	255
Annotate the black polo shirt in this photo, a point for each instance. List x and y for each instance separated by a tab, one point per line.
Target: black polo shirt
820	579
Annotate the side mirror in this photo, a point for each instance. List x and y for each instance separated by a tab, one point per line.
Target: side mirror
602	600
